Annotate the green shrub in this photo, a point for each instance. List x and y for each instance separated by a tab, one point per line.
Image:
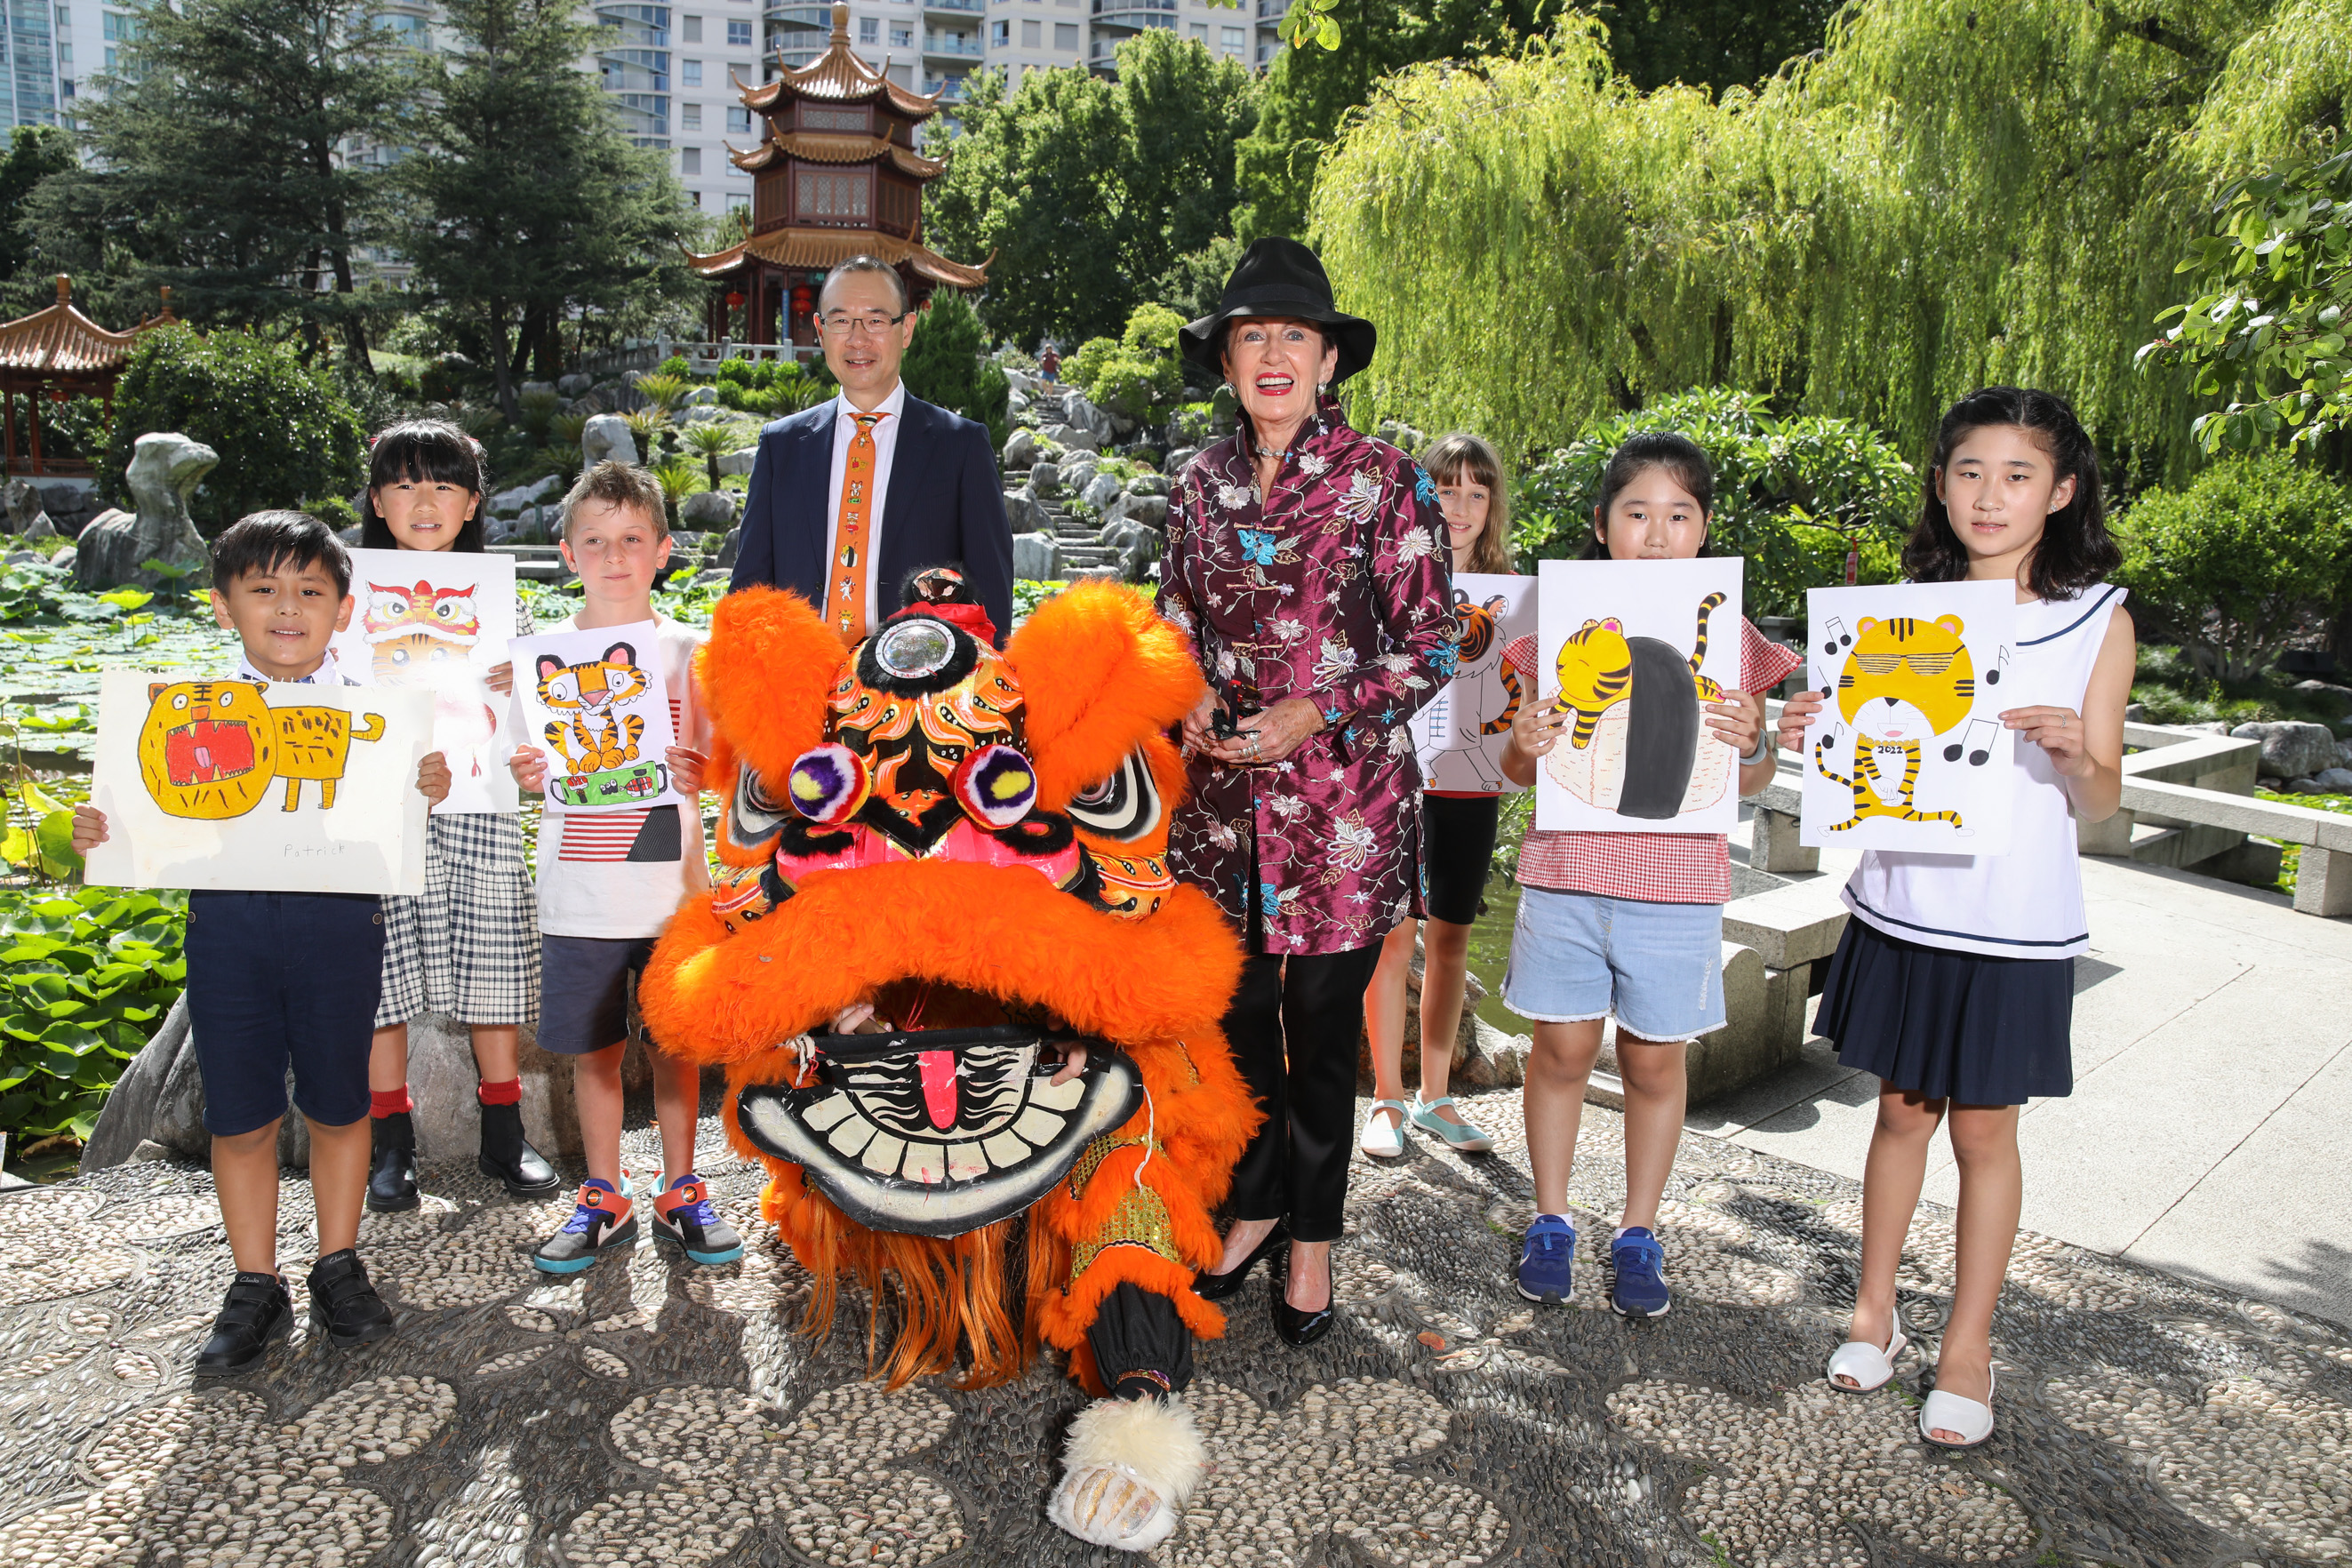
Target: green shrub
2228	566
283	432
1791	495
86	977
674	365
947	364
1136	376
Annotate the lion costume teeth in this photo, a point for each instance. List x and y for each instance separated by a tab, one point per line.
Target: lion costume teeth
976	843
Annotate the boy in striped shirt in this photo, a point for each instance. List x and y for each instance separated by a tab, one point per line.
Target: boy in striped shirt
608	884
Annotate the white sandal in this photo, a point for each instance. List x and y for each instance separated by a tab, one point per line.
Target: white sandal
1381	1140
1871	1368
1950	1413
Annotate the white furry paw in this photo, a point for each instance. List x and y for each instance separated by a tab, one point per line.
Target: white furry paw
1129	1468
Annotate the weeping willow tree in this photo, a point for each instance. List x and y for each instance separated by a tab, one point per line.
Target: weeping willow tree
1949	194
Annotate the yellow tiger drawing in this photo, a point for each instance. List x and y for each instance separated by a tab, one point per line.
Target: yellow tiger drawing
209	750
599	738
1596	671
1904	681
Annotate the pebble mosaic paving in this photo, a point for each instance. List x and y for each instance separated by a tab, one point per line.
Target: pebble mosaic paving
652	1413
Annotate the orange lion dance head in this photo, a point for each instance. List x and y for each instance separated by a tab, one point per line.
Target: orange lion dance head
974	844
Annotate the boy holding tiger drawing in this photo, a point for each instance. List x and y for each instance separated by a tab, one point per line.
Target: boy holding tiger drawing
609	881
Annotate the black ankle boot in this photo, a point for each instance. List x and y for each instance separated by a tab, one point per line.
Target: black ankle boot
392	1179
506	1155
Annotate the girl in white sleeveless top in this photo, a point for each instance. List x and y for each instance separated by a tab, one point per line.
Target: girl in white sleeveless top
1954	981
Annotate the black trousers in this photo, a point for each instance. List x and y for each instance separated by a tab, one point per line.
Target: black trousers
1293	1027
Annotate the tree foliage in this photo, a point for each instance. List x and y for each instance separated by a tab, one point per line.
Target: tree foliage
1948	194
35	153
284	433
525	201
1090	190
1793	495
2229	565
219	168
947	364
1137	375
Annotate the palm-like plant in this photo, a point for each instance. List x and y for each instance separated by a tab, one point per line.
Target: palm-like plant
677	476
710	440
663	392
646	425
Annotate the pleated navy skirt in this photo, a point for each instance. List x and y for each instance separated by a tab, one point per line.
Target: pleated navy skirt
1951	1025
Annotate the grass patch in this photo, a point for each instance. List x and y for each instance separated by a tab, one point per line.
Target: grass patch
2290	854
2170	690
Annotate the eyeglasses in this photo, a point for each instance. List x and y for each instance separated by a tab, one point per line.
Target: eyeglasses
872	323
1920	663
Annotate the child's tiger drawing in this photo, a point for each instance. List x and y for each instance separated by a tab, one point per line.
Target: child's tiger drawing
1906	680
1599	666
600	738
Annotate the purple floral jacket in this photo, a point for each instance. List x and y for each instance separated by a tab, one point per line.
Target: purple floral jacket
1333	589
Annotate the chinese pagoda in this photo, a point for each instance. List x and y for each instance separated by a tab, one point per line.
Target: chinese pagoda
835	175
55	353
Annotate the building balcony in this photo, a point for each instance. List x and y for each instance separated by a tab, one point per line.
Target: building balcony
1270	11
952	8
818	18
949	45
1126	17
949	88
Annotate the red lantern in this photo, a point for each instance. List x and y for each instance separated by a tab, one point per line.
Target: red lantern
734	300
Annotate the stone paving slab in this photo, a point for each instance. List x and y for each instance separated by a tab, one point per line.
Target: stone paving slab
660	1413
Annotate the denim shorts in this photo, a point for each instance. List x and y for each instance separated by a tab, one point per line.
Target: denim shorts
1658	967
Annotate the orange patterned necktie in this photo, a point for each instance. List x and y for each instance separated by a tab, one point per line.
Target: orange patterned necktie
849	556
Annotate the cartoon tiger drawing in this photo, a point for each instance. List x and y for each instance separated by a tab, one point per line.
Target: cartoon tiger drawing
209	750
1450	723
408	629
1904	681
1599	666
600	738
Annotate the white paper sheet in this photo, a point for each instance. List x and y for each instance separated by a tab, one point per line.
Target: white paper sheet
595	702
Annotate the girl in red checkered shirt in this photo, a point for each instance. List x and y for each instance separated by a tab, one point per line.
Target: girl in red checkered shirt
1625	923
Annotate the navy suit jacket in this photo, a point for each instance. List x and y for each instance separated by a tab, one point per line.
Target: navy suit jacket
945	506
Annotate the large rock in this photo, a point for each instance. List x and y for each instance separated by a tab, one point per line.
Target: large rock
1180	456
726	550
1045	481
574	384
1036	558
740	461
2291	750
1150	508
1020	450
1079	470
701	397
708	511
1023	512
1071	436
606	437
1100	491
28	518
1080	413
113	551
512	502
1148	485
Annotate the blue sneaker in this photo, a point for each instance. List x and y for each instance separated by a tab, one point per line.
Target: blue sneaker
603	1221
1640	1265
692	1222
1545	1260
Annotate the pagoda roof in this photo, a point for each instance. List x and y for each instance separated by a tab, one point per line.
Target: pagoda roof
837	75
823	147
814	249
59	340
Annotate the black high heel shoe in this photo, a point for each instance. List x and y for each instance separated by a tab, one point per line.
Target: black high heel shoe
1298	1329
1217	1287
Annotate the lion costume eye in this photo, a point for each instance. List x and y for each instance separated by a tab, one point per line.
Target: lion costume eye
1124	806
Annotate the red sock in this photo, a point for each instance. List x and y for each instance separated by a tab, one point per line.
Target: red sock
507	1093
384	1102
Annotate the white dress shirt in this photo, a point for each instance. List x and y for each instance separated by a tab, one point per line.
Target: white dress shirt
886	445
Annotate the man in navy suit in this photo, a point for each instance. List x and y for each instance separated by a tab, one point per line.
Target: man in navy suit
849	498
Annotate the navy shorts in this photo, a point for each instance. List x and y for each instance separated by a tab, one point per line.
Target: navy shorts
583	990
278	981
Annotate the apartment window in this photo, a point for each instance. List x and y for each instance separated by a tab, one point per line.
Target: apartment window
109	58
689	161
1000	35
65	18
120	29
65	53
1032	35
739	34
902	35
693	30
693	70
690	116
870	30
739	118
1066	37
738	201
1236	39
694	197
1201	32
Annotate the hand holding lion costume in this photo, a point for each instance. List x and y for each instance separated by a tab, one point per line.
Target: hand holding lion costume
974	845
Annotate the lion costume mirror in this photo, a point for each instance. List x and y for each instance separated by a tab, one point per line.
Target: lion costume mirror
1026	1140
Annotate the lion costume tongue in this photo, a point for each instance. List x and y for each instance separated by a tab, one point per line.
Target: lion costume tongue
938	1069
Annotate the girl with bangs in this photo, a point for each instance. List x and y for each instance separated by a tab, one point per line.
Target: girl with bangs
468	946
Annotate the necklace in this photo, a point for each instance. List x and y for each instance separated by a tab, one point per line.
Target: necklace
1265	451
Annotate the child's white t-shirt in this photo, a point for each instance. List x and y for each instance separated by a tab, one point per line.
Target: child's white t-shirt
620	874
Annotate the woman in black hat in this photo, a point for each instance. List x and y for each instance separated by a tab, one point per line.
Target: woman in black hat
1307	562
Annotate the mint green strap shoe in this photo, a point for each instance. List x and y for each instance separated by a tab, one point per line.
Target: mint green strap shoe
1460	1135
1384	1138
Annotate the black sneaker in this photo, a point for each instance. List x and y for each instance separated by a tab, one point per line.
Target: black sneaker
392	1179
693	1223
510	1157
343	1305
257	1311
590	1232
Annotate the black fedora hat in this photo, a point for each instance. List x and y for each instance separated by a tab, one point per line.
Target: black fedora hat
1280	278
